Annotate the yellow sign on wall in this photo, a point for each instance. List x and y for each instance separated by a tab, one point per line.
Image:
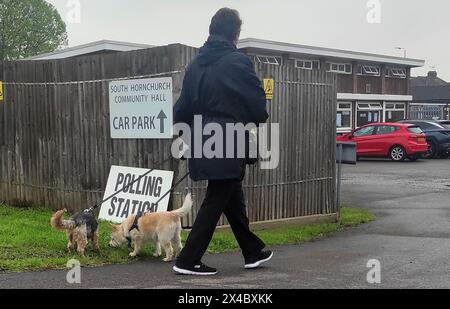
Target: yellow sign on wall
269	87
1	91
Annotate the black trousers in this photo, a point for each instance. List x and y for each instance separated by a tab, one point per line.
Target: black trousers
222	196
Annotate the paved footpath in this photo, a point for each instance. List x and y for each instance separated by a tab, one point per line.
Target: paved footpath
411	239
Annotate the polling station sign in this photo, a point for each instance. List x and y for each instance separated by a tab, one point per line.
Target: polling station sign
141	108
139	197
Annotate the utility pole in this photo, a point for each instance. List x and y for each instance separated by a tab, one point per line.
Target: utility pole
404	50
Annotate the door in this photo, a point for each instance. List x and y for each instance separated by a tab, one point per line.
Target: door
364	139
385	138
366	117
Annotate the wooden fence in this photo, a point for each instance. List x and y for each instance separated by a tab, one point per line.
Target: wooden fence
304	106
56	151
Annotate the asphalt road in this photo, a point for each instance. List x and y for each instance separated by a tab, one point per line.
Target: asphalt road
411	239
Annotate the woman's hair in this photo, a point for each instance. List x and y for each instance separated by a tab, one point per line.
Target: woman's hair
226	22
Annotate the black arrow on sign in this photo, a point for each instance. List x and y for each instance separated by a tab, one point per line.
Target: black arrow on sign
162	117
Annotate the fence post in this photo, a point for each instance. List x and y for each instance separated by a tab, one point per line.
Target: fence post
339	174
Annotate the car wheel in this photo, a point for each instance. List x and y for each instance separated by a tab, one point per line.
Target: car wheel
397	153
444	155
431	151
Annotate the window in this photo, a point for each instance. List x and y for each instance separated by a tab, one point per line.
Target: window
344	116
307	64
364	131
415	130
369	106
345	106
368	113
363	106
369	70
382	130
394	112
427	126
396	72
395	106
343	68
269	60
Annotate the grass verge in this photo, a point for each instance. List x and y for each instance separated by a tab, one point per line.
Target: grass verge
27	242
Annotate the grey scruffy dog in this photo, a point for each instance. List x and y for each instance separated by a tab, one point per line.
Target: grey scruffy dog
80	228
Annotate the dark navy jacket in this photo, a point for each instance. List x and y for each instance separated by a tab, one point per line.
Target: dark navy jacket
222	86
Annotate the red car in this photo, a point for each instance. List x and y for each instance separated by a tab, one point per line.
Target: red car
397	141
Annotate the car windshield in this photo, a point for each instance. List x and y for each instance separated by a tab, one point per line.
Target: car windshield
426	125
445	124
436	125
415	130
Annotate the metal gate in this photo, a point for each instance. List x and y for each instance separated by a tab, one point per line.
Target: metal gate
427	112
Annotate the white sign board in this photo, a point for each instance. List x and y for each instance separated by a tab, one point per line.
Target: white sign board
137	198
141	108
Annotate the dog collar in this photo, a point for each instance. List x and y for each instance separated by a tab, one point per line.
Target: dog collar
135	223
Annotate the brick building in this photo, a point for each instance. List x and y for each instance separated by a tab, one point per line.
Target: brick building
371	87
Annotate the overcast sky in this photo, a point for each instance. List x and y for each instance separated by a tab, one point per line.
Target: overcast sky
422	27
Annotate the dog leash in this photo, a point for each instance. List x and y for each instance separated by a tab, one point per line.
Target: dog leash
135	225
140	214
91	209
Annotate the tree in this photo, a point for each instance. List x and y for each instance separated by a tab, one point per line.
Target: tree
29	28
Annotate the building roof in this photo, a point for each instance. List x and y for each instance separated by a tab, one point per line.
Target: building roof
431	94
90	48
248	43
272	46
373	97
431	79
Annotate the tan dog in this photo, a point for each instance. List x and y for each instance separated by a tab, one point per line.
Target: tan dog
79	228
164	229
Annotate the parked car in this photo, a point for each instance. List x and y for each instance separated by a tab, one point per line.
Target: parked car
444	123
397	141
438	137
